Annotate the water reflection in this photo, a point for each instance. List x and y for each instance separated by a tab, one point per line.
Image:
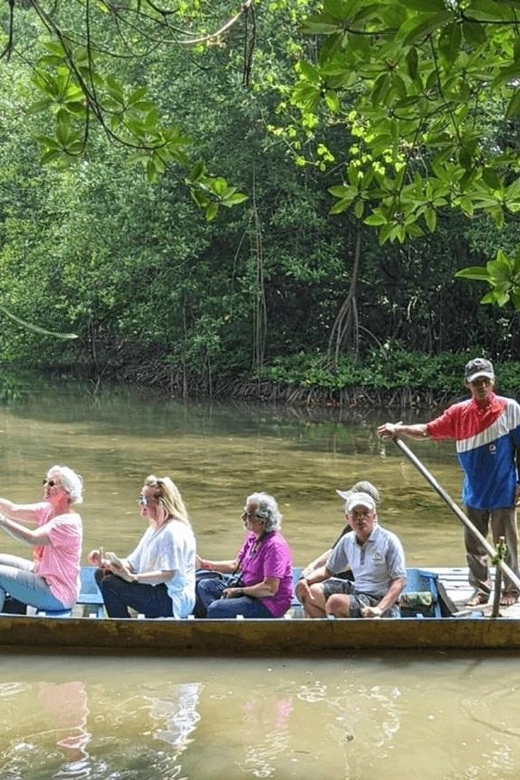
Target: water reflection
50	730
436	717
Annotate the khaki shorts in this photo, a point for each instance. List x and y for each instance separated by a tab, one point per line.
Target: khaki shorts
358	600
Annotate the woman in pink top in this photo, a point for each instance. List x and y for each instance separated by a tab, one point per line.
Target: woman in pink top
51	580
264	563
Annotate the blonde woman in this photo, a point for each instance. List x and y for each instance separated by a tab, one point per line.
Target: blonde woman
158	578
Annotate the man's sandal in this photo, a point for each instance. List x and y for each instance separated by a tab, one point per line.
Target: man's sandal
477	598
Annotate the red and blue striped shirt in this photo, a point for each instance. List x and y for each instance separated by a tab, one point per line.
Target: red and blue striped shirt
486	441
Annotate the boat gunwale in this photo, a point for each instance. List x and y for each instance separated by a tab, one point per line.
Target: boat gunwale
296	637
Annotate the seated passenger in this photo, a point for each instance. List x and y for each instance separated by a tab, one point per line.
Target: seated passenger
376	559
50	581
158	578
264	563
318	564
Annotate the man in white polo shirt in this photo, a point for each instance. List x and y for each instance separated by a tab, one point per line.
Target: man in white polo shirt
376	559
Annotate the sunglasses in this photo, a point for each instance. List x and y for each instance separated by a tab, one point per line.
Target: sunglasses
145	500
253	514
50	482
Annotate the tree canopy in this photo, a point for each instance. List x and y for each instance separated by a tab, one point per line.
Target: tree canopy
427	94
89	69
296	275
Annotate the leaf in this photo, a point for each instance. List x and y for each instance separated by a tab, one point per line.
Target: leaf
359	208
339	190
430	216
413	30
235	199
40	105
412	62
514	105
49	156
509	73
37	328
197	171
219	186
477	272
340	206
320	25
492	179
474	34
488	11
309	72
199	198
376	218
137	95
386	233
426	6
332	101
381	89
63	133
211	211
450	41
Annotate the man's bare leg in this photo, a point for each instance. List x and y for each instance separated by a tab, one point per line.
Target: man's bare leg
338	605
314	606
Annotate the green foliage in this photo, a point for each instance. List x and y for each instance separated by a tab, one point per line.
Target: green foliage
92	248
501	274
390	370
83	78
423	89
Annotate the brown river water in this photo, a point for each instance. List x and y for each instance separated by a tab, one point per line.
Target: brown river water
361	717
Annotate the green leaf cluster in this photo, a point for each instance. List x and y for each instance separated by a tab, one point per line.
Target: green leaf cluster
421	88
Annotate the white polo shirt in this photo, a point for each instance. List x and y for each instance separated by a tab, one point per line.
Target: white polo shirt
374	564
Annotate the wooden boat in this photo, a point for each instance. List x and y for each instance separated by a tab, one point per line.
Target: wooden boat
285	637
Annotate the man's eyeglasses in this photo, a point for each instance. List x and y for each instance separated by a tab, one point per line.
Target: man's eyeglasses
359	514
50	482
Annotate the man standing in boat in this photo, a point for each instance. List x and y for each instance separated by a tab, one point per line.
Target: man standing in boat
486	429
376	559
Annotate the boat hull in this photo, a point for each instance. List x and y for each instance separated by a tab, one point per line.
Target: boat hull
291	638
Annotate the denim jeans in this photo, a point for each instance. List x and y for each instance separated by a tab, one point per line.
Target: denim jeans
17	578
152	601
210	592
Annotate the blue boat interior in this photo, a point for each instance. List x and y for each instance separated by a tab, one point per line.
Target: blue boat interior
420	598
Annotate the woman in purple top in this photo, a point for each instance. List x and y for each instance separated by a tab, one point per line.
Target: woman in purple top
263	562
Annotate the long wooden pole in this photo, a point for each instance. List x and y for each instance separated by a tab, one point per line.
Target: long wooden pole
456	509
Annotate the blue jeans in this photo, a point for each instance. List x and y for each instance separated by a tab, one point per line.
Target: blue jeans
152	601
210	591
17	578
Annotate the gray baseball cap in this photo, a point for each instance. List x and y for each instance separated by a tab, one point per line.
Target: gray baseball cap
478	367
363	486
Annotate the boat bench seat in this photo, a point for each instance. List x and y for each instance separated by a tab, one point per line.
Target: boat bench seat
90	598
53	613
